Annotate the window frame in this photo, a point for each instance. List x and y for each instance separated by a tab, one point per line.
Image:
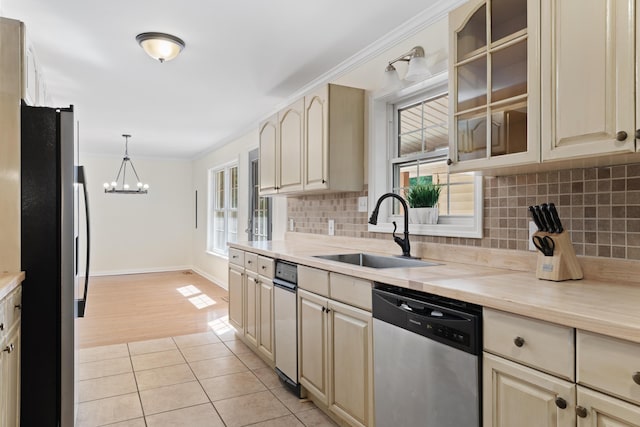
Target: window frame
211	205
383	136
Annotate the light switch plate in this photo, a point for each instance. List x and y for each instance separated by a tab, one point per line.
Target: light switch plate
331	227
532	229
362	204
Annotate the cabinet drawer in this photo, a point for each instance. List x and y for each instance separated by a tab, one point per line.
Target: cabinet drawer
236	257
251	262
350	290
313	280
536	343
609	364
266	266
12	308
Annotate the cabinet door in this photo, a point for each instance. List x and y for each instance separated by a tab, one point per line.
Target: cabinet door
316	140
600	410
290	128
269	154
11	377
266	337
350	363
494	84
514	395
236	297
312	344
588	76
252	295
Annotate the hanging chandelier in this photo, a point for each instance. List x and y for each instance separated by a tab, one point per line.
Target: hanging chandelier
121	186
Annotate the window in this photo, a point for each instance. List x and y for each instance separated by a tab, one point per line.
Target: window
259	228
410	140
223	208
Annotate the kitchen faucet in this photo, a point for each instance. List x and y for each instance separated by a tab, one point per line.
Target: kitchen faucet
404	243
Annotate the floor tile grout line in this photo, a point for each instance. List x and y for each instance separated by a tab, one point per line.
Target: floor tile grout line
137	387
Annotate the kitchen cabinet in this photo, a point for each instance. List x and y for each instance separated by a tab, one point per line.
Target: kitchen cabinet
588	68
494	79
596	409
335	349
236	297
334	139
10	332
315	144
265	321
515	395
252	302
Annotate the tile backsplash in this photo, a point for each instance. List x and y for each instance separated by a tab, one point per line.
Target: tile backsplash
600	207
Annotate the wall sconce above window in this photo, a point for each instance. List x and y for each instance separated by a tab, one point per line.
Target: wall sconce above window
416	71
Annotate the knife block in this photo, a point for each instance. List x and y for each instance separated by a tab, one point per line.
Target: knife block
563	265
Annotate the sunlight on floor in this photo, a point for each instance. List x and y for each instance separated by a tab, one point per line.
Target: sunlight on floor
202	301
221	325
188	290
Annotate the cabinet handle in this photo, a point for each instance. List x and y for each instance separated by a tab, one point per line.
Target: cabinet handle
449	162
621	135
581	412
637	134
328	310
18	306
561	403
8	348
518	341
636	378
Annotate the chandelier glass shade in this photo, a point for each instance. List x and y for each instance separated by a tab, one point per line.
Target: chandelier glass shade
120	185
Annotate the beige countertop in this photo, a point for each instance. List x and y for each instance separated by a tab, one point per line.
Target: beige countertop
9	281
606	307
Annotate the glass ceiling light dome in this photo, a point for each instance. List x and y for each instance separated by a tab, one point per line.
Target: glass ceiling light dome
161	46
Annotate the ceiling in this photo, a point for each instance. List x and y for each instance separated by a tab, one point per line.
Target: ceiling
242	60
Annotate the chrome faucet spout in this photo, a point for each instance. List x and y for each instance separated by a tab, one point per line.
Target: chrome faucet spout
403	243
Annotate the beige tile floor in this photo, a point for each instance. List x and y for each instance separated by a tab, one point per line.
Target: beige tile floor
203	379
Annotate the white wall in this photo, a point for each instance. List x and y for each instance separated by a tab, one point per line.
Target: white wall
138	233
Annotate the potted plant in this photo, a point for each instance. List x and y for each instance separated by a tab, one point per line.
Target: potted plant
422	199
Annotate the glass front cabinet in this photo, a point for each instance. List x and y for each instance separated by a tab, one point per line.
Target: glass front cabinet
494	71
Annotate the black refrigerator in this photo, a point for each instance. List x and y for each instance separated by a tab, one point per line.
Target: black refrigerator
49	240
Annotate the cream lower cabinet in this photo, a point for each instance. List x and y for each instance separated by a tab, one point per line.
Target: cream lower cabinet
335	342
266	337
10	333
252	292
599	410
236	297
515	395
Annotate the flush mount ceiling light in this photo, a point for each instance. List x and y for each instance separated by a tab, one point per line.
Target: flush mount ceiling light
160	46
416	71
121	187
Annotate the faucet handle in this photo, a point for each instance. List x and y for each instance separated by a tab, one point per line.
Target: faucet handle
395	227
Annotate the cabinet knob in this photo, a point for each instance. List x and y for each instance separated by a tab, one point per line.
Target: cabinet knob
637	134
324	182
18	306
581	412
8	348
449	162
264	267
328	310
621	135
323	309
248	261
561	403
1	326
518	341
635	376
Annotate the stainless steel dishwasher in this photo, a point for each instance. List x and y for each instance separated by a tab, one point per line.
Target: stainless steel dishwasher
427	359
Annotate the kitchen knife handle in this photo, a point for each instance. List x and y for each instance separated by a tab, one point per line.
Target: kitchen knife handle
535	218
547	216
540	215
556	218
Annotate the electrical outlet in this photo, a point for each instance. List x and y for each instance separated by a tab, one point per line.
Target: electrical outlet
290	224
532	229
332	230
362	204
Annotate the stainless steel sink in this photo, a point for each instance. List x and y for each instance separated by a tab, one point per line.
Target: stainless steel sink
377	261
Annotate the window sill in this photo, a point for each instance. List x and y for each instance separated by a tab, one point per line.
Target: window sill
470	228
218	254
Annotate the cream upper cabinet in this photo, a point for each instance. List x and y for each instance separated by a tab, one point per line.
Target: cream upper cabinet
334	139
315	144
494	84
269	155
588	78
514	395
291	128
236	297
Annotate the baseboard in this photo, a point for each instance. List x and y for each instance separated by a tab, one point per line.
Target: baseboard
209	277
142	270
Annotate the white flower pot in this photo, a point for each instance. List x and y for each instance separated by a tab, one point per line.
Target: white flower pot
423	215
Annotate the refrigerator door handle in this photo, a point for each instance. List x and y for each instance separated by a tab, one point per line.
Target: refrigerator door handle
81	303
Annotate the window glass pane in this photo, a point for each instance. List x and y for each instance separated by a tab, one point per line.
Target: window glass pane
233	226
472	84
507	17
220	243
509	72
220	190
509	130
473	35
424	127
233	202
472	137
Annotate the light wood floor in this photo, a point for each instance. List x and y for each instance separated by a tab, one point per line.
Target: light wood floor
139	307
